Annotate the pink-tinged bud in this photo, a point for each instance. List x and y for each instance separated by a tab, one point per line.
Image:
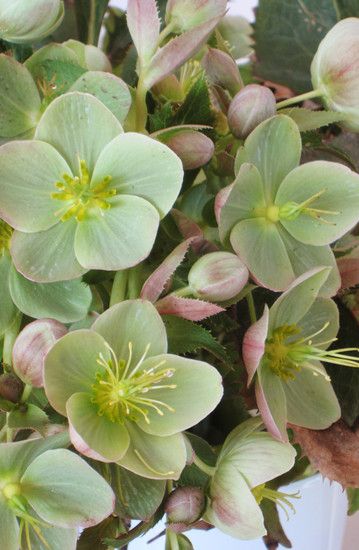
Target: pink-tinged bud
335	70
218	276
222	70
183	15
250	107
185	505
11	387
193	148
31	348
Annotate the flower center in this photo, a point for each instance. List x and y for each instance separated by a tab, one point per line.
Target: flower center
122	393
286	355
281	499
5	236
81	199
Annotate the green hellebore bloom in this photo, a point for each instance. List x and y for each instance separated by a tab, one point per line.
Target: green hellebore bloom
47	493
248	460
22	21
335	70
82	195
284	350
280	217
126	398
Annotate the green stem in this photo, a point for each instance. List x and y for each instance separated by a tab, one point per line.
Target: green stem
26	393
299	98
141	106
9	339
119	287
209	470
251	307
172	540
92	23
182	292
9	431
165	32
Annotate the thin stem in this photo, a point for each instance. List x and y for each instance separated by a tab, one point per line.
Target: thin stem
165	32
185	291
209	470
300	98
91	25
26	393
141	106
9	339
251	307
119	287
172	540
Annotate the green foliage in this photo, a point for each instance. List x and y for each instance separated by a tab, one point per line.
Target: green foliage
311	120
353	500
89	14
347	8
196	108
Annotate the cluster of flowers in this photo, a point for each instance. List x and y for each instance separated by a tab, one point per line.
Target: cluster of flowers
88	285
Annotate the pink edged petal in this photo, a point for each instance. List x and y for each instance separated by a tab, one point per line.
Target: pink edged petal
221	199
155	284
82	447
187	308
271	402
254	344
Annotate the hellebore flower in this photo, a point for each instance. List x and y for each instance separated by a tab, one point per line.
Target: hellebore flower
280	217
22	21
335	70
284	350
126	398
83	195
47	493
248	460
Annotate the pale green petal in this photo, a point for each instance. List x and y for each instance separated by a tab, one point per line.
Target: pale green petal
9	532
274	147
141	166
66	301
259	245
7	309
152	456
246	195
28	173
195	382
271	402
56	538
112	91
119	237
109	439
340	195
19	99
232	507
322	311
22	22
311	401
47	256
79	126
65	491
71	366
135	321
293	304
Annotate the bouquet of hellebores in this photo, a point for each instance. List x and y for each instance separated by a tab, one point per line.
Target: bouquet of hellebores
179	267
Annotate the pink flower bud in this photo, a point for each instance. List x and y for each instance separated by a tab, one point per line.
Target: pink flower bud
218	276
222	70
183	15
193	148
31	348
250	107
11	387
335	70
185	505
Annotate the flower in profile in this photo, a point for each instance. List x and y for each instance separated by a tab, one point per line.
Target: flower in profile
22	21
284	351
82	195
126	398
280	218
335	70
248	460
47	493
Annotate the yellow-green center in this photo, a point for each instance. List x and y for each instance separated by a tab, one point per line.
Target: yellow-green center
80	197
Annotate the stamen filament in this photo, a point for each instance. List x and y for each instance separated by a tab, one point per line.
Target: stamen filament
140	457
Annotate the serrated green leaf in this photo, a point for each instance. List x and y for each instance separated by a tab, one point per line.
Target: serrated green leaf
353	500
311	120
196	108
162	118
187	337
287	35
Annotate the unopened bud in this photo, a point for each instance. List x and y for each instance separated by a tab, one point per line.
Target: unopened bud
250	107
11	387
185	505
193	148
218	276
31	348
222	70
183	15
335	70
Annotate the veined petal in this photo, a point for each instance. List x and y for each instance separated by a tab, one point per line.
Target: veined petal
47	256
322	312
120	238
254	344
71	366
79	126
28	173
9	532
272	403
109	440
188	382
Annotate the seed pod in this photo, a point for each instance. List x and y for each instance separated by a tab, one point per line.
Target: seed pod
250	107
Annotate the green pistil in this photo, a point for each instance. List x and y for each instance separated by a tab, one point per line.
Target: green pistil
270	213
122	393
5	236
82	199
291	210
281	499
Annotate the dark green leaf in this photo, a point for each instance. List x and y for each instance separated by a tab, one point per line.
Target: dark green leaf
187	337
287	35
89	15
117	38
348	8
92	538
161	118
311	120
353	500
196	108
275	531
